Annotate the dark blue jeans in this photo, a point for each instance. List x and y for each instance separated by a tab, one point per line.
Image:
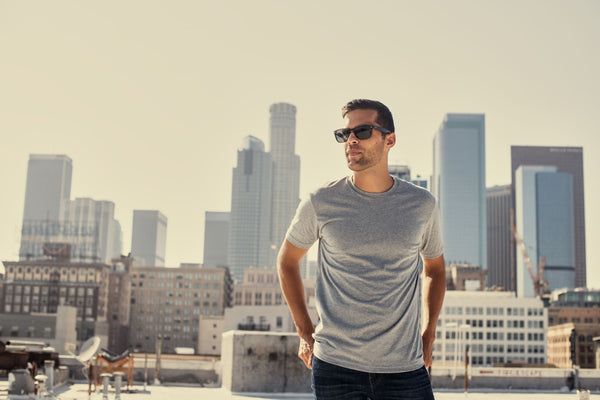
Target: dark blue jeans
330	382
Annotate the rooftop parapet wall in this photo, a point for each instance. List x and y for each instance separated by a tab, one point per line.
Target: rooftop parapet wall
263	362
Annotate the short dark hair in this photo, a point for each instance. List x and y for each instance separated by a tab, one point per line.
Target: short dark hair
384	115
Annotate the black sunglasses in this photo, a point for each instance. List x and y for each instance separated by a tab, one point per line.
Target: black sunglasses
361	132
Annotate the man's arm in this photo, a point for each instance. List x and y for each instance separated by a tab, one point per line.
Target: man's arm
434	288
288	267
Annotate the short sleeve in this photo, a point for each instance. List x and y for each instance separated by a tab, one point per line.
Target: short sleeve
303	230
432	245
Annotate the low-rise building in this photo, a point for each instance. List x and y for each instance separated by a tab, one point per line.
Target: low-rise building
259	305
167	303
119	304
40	286
261	288
573	344
497	326
57	330
465	277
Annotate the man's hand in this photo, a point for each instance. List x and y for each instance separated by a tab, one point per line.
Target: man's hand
305	351
428	338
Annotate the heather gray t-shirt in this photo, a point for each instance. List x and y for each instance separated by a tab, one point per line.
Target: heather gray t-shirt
369	264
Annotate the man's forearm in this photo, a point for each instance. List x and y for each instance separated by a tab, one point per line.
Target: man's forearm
293	291
434	289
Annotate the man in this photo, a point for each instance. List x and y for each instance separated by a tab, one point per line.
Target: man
375	233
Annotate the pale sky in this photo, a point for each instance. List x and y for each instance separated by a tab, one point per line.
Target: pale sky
151	99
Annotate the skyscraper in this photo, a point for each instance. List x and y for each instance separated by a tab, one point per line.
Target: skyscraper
216	239
96	234
569	160
286	174
47	193
544	221
250	218
458	183
149	238
87	225
48	186
500	272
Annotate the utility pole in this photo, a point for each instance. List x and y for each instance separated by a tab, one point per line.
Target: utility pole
466	368
157	362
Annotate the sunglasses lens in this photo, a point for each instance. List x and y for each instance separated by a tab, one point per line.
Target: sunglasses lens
341	135
362	132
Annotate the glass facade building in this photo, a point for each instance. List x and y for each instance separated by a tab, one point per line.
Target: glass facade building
458	183
544	221
499	238
569	160
250	218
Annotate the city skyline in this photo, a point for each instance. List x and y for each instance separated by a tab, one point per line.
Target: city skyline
152	109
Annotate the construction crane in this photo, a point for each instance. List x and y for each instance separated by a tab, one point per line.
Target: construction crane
537	277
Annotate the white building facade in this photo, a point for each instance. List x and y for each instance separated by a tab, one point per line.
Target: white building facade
497	326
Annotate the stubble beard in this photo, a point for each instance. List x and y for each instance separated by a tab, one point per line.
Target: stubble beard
366	159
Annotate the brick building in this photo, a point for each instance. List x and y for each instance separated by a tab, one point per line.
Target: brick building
40	286
166	304
559	345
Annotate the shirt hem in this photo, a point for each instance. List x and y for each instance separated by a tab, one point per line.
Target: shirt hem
364	368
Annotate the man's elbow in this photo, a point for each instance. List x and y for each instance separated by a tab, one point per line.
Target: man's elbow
435	267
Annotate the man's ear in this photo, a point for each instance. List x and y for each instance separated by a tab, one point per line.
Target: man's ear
390	140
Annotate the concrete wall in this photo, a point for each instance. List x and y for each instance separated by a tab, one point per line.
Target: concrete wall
263	362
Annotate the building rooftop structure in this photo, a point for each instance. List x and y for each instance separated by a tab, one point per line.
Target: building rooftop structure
578	297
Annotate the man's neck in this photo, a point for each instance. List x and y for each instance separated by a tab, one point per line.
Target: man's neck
373	181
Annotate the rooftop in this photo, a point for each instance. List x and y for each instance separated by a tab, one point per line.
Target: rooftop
79	391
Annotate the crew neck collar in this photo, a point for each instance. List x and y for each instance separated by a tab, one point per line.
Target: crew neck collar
374	194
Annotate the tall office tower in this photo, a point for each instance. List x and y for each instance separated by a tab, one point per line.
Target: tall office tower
250	217
48	186
544	221
149	238
286	174
565	159
92	228
216	239
117	238
47	192
458	183
499	238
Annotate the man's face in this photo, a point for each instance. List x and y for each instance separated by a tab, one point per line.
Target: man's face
364	154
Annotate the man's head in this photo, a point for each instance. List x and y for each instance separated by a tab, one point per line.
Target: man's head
364	148
384	116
